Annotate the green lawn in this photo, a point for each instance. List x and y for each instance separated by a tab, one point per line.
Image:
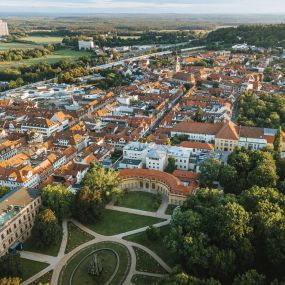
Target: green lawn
81	276
43	40
144	280
170	209
140	200
6	46
157	246
53	58
76	237
30	267
30	245
145	263
115	222
45	279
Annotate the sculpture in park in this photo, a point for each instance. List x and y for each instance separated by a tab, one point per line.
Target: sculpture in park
95	266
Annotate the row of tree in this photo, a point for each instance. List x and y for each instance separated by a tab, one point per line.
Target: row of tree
22	54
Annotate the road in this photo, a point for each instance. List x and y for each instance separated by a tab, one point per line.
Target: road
120	62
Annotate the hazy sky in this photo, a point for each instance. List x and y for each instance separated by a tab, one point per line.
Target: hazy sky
144	6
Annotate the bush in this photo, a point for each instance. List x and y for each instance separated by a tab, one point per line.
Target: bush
153	233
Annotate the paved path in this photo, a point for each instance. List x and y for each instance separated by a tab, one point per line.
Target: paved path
158	214
59	262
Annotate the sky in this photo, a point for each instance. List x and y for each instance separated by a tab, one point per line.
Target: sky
144	6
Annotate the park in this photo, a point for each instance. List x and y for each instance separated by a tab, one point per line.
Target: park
116	249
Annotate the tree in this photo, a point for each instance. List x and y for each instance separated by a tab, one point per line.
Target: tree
59	199
277	144
263	175
251	277
171	166
106	182
4	190
198	117
10	281
209	172
228	178
88	205
46	231
152	233
10	265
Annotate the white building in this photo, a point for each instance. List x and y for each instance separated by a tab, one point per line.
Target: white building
43	126
153	156
3	29
86	45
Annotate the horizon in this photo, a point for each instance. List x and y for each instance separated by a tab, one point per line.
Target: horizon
185	7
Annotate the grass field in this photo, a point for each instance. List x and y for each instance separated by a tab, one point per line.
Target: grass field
145	263
140	200
143	279
7	46
157	246
114	222
76	237
43	40
30	267
45	279
53	58
82	276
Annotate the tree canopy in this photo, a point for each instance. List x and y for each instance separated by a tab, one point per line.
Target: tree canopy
46	230
59	199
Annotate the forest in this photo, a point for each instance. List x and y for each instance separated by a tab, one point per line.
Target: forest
259	35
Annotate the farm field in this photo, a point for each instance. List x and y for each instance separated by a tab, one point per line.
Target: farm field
43	40
53	58
6	46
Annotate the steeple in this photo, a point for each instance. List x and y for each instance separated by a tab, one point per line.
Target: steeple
177	66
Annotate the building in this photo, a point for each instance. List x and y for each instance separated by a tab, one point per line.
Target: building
43	126
86	45
18	211
158	181
3	29
227	135
153	156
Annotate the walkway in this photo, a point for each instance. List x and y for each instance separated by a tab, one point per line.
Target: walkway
57	263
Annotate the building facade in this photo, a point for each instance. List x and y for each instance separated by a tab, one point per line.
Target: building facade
17	217
156	181
3	29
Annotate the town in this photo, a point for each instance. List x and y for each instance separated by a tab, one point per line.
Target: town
178	121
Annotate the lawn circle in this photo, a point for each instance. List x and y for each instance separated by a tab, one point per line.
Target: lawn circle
88	255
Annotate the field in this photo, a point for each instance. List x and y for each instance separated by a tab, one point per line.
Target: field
7	46
140	200
43	40
158	246
55	57
114	222
30	268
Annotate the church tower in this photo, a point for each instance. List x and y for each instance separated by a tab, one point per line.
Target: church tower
177	66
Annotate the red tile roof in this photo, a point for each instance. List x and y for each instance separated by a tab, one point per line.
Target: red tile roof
176	186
